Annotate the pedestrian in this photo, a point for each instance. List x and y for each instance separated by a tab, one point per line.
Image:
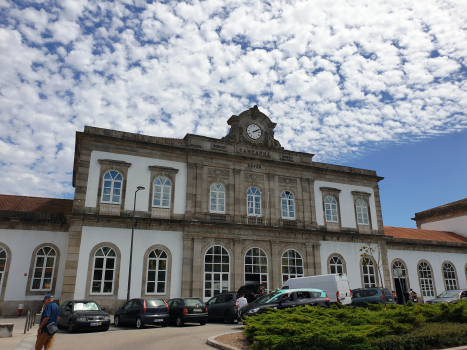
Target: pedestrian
241	303
406	296
50	314
394	295
413	296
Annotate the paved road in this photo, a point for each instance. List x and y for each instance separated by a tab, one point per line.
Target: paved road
189	337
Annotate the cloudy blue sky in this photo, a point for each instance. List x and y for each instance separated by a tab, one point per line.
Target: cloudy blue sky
375	84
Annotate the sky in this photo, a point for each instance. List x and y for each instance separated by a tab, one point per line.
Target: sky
375	84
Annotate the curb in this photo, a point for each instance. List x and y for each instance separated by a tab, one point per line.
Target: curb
26	344
216	344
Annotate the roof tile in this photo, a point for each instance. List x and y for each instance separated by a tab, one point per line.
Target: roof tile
35	204
432	235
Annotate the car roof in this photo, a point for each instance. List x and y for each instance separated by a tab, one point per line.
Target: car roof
455	290
299	290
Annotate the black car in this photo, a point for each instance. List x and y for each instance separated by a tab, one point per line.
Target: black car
140	312
365	296
83	314
223	307
251	291
286	298
187	310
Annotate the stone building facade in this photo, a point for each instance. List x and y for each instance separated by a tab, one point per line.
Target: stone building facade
215	214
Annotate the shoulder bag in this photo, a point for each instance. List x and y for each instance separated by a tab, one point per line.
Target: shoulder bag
51	328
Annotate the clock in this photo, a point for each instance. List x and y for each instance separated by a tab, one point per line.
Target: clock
253	131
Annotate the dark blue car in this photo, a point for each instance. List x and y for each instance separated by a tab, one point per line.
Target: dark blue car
140	312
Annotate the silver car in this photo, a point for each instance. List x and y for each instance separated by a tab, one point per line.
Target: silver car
449	296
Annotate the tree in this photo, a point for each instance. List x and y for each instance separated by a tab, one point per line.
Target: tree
372	252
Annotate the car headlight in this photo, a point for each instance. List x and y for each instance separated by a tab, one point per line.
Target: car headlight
252	311
106	318
81	319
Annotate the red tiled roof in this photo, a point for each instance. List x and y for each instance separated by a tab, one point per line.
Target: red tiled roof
414	233
35	204
460	205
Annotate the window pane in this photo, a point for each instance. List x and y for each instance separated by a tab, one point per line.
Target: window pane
107	287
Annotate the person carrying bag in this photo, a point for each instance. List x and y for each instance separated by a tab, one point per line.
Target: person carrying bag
48	324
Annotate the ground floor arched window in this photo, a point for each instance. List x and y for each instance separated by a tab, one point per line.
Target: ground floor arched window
368	273
292	265
426	279
256	267
216	271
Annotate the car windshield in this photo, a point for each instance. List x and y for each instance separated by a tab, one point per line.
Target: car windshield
449	294
267	298
155	302
193	302
86	306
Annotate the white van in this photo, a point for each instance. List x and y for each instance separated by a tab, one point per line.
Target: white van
336	286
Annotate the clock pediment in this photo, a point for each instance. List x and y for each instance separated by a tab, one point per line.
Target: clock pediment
254	128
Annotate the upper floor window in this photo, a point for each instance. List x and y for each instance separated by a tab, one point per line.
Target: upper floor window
112	189
157	272
103	274
450	279
3	258
162	192
330	207
362	212
288	205
44	266
254	201
217	198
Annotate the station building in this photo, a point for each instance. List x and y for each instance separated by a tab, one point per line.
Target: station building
214	214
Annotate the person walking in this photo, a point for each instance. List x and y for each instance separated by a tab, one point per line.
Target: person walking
413	296
406	296
50	314
241	303
394	296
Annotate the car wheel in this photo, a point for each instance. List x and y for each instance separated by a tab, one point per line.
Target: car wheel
117	321
71	327
179	321
228	317
202	323
139	323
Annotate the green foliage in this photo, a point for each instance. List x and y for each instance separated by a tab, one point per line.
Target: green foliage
421	326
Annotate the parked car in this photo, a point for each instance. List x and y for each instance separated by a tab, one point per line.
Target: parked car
187	310
140	312
449	296
285	298
251	291
83	314
335	285
365	296
222	307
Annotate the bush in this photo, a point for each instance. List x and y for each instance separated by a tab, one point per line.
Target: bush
420	326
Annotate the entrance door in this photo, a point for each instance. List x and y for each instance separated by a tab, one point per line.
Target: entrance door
401	285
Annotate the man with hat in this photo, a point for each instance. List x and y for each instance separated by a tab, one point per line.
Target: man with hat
50	314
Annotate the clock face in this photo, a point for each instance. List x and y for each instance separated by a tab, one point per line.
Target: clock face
254	131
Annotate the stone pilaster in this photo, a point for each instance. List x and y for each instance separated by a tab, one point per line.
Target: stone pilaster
190	190
274	210
313	259
198	265
237	190
238	274
72	257
198	191
187	267
379	214
82	179
311	186
275	274
385	266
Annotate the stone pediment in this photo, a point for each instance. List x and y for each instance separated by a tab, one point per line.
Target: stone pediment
253	128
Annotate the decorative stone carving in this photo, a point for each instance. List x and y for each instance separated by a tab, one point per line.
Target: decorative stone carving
254	177
109	209
218	172
287	181
160	213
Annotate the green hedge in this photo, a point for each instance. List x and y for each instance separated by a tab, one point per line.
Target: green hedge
420	326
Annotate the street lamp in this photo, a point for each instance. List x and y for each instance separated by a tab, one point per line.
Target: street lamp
139	188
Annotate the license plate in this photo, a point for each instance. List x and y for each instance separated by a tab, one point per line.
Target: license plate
158	320
96	324
197	310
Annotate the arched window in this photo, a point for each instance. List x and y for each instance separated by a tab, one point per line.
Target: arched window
426	279
157	272
336	265
292	265
330	207
3	260
103	274
112	189
44	267
256	266
217	198
368	273
254	201
450	279
216	271
162	192
362	212
288	205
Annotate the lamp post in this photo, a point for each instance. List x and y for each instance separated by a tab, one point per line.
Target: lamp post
131	247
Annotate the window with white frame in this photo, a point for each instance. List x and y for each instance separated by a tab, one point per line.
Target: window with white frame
368	273
112	188
254	201
330	208
426	279
157	272
292	265
217	204
288	205
3	261
162	192
336	265
216	271
256	266
362	212
450	279
44	267
103	273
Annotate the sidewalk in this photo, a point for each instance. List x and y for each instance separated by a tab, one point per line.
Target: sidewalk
13	342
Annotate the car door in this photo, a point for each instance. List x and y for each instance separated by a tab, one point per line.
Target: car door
304	298
211	305
134	310
175	308
290	301
124	311
64	315
464	295
218	306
